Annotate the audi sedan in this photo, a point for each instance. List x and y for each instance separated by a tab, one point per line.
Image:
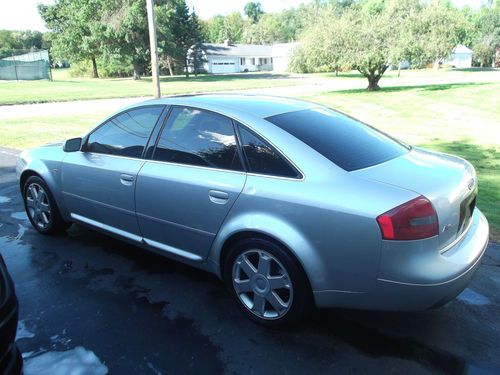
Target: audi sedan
290	203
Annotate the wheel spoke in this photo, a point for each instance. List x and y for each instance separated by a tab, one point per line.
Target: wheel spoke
276	302
247	267
278	282
242	286
42	197
259	303
44	207
44	218
30	202
33	192
37	218
264	264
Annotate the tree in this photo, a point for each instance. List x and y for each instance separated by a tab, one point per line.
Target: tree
186	31
128	33
233	27
253	11
77	32
371	36
487	37
318	51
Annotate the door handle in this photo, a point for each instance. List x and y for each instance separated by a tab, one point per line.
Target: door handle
218	197
126	179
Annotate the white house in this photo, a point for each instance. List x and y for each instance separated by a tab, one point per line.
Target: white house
461	57
236	58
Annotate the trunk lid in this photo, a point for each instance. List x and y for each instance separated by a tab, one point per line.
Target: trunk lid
447	181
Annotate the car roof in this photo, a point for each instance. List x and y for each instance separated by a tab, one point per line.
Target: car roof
258	105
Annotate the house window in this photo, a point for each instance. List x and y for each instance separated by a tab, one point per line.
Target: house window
242	61
252	61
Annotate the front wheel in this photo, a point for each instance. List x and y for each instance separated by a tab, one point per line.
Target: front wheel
267	282
41	207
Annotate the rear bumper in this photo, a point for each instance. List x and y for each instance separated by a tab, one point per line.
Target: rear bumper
418	279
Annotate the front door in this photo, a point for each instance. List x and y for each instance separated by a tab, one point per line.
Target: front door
99	181
184	194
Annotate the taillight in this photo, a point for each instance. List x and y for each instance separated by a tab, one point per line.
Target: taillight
412	220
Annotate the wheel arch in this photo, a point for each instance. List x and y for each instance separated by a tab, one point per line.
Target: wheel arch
43	172
271	229
27	173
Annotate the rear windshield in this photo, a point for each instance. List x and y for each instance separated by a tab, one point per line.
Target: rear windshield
348	143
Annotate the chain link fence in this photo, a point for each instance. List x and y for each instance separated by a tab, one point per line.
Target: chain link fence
25	65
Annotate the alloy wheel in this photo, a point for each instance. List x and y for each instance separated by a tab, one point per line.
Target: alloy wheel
38	205
262	284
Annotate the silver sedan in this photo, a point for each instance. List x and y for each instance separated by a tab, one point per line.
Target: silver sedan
291	203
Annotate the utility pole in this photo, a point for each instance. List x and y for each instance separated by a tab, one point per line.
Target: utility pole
152	46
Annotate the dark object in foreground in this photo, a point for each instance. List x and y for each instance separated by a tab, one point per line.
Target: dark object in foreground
11	362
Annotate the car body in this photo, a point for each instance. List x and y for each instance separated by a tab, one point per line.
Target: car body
207	171
11	362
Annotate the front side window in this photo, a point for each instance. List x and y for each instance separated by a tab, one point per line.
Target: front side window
197	137
348	143
125	134
262	158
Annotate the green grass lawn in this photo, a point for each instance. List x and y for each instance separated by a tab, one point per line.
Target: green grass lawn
64	88
460	119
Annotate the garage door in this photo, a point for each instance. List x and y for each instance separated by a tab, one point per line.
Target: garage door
224	66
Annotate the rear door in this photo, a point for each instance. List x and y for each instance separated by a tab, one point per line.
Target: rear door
99	181
184	193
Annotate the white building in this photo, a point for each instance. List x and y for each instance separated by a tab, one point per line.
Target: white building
238	58
461	57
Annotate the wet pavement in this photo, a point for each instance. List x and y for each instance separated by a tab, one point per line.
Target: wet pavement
140	313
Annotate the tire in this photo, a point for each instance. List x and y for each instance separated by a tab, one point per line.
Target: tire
277	298
41	207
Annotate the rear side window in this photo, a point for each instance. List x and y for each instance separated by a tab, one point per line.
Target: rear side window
125	134
197	137
261	157
348	143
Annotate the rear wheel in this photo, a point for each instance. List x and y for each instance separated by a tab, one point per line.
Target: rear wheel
41	207
267	282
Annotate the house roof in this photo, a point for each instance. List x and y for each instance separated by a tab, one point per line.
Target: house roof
259	50
460	48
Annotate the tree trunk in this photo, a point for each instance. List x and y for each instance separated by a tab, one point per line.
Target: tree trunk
373	82
399	70
169	66
336	71
95	74
137	72
186	68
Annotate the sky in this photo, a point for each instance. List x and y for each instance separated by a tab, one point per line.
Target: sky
23	14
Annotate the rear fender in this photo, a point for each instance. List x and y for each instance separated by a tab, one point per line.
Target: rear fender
268	225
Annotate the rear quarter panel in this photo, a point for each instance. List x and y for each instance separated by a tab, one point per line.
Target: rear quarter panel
328	224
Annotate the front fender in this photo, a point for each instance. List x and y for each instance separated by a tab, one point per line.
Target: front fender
276	228
30	162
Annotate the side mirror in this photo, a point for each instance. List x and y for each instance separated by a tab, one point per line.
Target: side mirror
72	145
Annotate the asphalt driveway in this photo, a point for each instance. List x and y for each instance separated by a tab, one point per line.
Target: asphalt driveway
135	312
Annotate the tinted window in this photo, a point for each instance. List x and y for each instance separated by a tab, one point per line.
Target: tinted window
125	134
348	143
262	158
197	137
